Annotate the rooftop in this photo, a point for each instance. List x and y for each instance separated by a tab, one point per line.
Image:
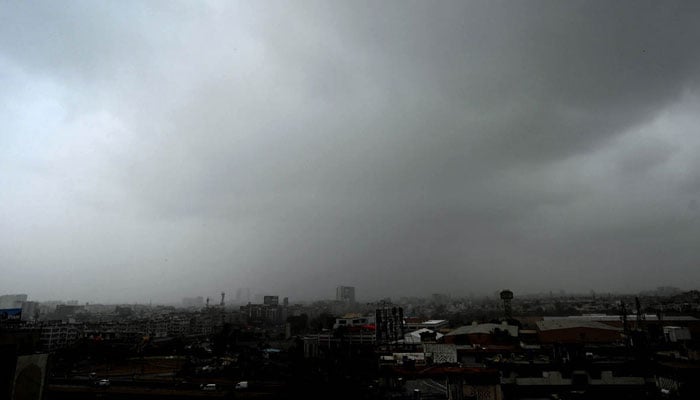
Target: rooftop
483	329
547	325
605	317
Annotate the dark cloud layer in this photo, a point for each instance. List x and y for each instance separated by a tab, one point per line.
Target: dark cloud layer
154	150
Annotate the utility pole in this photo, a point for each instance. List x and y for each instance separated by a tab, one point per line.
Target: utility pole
640	316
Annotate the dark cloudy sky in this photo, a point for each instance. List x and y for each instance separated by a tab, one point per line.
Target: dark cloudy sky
155	150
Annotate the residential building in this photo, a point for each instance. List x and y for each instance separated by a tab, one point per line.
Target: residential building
345	294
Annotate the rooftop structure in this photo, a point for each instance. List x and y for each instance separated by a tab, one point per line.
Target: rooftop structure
484	329
419	336
434	324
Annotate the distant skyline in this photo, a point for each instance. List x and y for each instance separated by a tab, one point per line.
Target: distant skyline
258	296
167	149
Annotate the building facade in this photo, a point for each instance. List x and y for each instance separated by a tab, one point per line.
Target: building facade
345	294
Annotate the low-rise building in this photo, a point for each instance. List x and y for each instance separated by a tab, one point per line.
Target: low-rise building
483	334
413	323
576	331
59	335
353	320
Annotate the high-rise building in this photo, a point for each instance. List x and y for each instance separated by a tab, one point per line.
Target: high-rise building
345	294
30	310
271	300
12	300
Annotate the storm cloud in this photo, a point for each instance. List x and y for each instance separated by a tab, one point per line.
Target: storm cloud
153	150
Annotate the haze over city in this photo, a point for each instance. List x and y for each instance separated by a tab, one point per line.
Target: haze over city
156	150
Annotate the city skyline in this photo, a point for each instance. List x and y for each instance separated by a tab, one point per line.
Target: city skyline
259	297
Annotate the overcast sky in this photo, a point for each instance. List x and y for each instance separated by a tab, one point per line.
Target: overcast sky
154	150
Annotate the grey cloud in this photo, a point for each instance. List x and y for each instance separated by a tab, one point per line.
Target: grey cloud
402	147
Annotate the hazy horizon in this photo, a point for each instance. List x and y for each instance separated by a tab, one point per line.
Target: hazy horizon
214	297
160	150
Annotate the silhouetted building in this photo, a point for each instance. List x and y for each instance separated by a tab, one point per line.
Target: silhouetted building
30	311
123	311
65	311
271	300
269	312
345	294
389	324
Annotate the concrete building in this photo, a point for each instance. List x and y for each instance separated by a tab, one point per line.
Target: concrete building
66	311
422	335
441	353
12	300
30	310
58	335
271	301
345	294
265	313
353	320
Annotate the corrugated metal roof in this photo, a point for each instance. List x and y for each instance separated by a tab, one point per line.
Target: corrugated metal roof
434	321
548	325
483	329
